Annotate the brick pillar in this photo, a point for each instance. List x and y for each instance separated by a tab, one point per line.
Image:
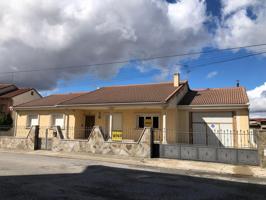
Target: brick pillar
261	141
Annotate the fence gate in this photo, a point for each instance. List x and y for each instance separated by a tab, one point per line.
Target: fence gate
210	154
44	144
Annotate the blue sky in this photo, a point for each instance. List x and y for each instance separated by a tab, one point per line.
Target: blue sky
249	71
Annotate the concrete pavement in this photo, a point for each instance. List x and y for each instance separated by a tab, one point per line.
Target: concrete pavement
34	175
248	174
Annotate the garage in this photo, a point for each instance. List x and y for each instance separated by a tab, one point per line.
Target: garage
212	128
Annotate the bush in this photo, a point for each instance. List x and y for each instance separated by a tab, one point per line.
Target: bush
2	119
6	120
9	120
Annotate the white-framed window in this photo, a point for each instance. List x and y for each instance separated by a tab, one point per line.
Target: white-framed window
58	120
32	120
148	121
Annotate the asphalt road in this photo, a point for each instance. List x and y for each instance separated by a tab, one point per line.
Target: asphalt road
24	176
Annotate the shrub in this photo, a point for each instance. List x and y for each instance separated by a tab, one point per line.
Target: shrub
6	119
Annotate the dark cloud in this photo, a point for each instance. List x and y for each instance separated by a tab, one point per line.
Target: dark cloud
44	34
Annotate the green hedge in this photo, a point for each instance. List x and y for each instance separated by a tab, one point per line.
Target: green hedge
6	120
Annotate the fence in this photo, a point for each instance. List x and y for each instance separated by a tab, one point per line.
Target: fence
28	142
235	147
244	139
98	144
127	134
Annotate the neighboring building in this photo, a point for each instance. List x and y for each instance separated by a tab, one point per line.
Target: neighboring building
173	110
257	123
11	96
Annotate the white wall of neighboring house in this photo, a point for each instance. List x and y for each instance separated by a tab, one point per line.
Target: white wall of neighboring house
25	97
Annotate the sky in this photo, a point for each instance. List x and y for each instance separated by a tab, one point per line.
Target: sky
49	44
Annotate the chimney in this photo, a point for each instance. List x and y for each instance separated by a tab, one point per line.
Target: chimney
237	83
176	79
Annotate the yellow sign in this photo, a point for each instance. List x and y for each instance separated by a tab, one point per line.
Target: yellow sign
148	122
117	135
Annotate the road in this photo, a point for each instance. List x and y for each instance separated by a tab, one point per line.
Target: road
24	176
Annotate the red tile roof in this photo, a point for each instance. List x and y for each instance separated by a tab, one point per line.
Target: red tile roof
258	119
216	96
5	85
145	93
51	100
15	93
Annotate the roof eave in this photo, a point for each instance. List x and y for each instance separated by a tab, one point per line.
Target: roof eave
213	106
88	105
175	91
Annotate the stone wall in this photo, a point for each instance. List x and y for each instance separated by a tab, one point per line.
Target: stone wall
8	132
262	148
96	144
28	143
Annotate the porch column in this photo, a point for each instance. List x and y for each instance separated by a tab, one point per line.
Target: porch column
110	125
164	129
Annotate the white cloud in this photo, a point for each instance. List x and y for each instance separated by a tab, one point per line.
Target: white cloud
187	14
212	74
243	23
230	6
257	98
47	33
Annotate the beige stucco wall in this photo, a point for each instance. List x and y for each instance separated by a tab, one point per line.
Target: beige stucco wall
242	118
177	122
183	124
129	122
25	97
44	122
75	122
244	137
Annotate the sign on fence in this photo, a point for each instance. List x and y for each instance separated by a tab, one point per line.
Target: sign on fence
117	135
148	122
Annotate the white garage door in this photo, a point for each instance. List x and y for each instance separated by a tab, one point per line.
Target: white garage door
213	128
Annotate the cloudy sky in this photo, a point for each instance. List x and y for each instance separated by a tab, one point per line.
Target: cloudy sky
53	45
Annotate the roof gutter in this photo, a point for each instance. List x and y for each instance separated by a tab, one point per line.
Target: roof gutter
90	105
216	106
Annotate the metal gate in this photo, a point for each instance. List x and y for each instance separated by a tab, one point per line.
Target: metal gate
44	143
210	154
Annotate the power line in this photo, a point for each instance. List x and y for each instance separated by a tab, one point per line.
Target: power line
130	60
223	61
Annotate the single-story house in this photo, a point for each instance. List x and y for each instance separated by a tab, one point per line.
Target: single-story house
11	95
174	111
257	123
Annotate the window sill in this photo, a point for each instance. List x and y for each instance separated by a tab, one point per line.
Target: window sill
52	127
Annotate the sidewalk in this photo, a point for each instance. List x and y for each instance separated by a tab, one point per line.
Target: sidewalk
250	174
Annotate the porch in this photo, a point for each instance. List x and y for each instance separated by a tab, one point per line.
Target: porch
123	125
117	124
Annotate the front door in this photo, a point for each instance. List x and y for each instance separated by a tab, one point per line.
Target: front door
89	123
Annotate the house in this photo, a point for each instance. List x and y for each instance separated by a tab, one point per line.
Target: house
11	95
174	111
257	123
